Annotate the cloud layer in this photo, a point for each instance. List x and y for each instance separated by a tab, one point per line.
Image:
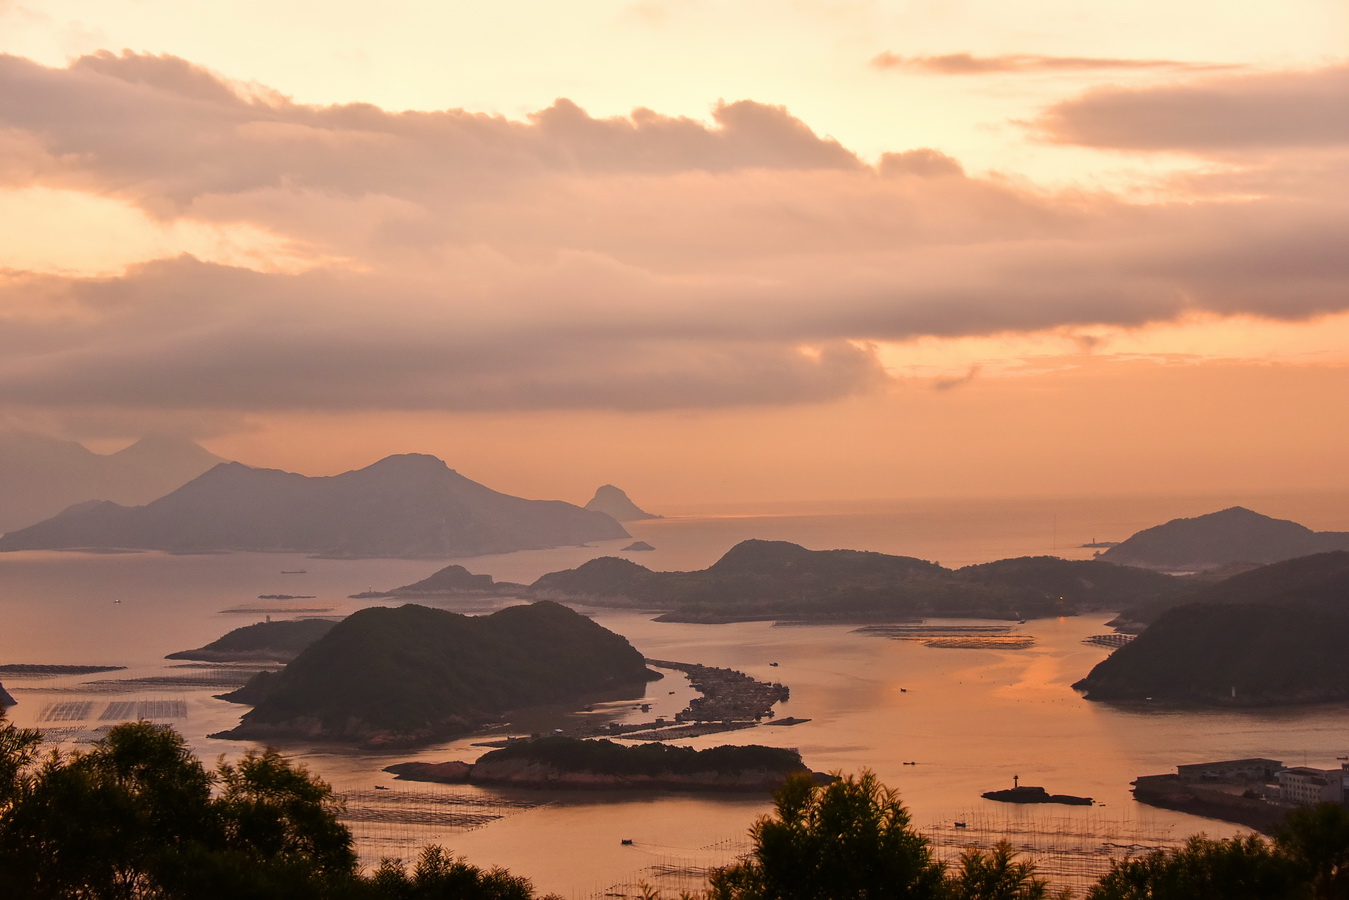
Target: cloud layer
467	261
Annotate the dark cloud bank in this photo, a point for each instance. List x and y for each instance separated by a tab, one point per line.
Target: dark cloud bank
643	262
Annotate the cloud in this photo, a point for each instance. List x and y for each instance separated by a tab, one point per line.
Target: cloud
462	261
969	64
1217	116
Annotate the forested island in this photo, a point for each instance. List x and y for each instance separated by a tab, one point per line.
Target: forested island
780	580
564	762
411	674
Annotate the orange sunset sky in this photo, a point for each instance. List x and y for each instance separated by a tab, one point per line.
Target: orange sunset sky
707	249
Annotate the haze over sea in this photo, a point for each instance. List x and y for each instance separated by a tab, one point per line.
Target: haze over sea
969	719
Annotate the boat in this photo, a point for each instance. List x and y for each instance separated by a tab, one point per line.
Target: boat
960	825
627	842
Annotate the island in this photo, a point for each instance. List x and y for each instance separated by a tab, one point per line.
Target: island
779	580
279	641
1271	636
404	506
563	762
451	581
1028	794
412	674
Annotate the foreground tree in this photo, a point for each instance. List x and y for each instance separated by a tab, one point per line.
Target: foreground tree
138	816
848	839
1316	840
1242	868
996	874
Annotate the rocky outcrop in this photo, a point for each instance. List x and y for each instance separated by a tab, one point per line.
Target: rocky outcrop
614	502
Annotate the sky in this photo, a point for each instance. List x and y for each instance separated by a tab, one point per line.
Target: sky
706	250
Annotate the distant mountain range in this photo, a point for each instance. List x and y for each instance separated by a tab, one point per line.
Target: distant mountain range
614	502
40	476
410	505
1230	536
1273	635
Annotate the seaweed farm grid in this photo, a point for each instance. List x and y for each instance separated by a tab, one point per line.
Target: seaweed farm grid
399	823
674	871
1069	851
115	711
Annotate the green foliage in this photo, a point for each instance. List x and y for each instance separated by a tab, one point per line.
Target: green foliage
437	874
848	839
1316	840
995	875
1243	868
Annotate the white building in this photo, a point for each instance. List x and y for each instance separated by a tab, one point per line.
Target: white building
1304	786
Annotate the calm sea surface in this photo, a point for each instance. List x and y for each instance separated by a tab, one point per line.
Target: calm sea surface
940	725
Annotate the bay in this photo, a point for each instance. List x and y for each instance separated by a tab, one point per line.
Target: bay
968	720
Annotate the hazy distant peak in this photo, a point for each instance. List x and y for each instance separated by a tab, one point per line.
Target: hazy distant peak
614	502
162	445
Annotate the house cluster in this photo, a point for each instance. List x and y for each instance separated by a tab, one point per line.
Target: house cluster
1285	785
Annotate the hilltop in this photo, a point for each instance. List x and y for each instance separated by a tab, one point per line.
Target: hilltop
1274	635
409	505
413	674
1229	536
40	476
777	579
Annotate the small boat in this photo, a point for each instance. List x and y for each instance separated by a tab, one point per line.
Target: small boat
772	664
961	825
626	842
380	787
903	690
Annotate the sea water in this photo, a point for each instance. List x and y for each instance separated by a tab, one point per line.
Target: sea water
939	725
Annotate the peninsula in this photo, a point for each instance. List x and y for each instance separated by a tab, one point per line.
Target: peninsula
1270	636
279	641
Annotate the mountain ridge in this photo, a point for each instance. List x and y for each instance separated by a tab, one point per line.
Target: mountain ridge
402	506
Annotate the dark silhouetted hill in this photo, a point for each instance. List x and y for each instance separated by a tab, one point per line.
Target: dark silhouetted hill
40	476
450	581
777	579
281	641
411	505
1271	635
1235	535
412	674
614	502
600	764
